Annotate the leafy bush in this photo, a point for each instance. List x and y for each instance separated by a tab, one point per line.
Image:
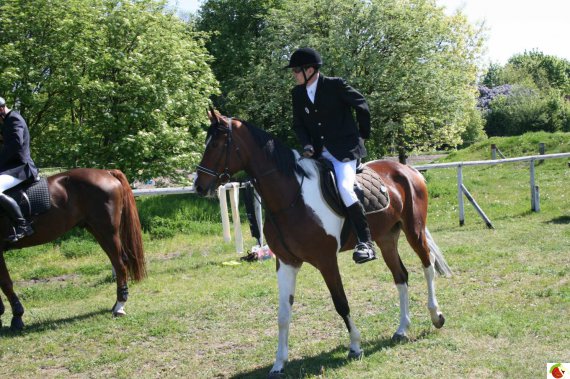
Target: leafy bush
525	110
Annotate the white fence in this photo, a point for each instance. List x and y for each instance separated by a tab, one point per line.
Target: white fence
231	189
462	190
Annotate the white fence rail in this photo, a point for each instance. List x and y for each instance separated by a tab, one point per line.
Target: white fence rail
462	190
231	189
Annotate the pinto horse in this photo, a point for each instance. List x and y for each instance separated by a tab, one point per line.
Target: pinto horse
302	228
100	201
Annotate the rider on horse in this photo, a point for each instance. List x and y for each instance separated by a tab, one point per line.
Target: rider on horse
16	166
324	125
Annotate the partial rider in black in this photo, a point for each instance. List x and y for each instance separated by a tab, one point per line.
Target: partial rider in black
16	166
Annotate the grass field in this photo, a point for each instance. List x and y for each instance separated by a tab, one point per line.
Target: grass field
506	306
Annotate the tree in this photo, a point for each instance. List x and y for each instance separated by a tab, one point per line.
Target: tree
233	26
106	83
416	66
538	101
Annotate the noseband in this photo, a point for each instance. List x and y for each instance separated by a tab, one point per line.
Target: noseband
223	177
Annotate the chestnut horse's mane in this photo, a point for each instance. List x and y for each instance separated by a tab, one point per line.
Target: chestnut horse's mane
277	151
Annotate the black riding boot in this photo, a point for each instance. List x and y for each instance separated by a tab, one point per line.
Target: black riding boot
364	250
22	227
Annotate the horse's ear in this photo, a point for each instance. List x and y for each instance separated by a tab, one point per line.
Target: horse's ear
211	114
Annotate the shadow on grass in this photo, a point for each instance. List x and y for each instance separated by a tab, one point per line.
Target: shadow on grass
335	358
48	324
560	220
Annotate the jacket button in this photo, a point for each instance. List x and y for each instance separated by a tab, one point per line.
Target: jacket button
322	137
319	124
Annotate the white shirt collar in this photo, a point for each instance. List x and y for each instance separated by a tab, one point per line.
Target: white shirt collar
312	89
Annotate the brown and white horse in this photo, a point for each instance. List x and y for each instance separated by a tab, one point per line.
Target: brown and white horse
300	227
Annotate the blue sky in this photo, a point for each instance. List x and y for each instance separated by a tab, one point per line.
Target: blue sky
513	25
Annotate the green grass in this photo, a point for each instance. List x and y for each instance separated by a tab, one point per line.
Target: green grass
506	306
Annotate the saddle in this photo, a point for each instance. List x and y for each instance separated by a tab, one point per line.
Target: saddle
369	188
32	197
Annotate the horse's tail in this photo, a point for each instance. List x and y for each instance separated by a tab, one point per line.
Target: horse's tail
130	231
440	264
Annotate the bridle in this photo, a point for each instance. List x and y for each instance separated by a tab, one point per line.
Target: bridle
223	177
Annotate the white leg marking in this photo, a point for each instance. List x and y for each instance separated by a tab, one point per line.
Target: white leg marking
119	309
286	280
404	310
433	306
354	337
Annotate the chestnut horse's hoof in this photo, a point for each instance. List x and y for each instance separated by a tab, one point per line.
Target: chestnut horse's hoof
17	324
355	355
277	374
399	338
440	322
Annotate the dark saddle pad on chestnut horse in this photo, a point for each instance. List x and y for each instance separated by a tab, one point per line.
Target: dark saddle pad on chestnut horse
369	187
32	197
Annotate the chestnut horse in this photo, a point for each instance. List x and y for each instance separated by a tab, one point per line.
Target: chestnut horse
300	227
100	201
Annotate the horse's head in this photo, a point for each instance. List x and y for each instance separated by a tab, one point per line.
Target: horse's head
221	157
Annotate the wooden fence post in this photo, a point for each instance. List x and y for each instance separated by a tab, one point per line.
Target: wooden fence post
493	151
534	198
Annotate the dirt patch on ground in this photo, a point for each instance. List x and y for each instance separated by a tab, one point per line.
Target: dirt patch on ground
61	278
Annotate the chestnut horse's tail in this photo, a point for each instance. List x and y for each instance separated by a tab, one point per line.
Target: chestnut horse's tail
440	264
130	231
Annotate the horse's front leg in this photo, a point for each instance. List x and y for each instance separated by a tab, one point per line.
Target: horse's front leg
331	274
286	280
8	289
2	310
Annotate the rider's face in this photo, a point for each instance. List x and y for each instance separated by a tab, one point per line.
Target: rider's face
2	111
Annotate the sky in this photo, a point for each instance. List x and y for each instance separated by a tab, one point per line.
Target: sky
514	26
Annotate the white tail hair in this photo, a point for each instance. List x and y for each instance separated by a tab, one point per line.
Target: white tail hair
439	261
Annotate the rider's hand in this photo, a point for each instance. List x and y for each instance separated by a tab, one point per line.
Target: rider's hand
308	151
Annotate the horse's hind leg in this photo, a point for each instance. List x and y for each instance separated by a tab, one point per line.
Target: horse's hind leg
329	270
417	239
389	247
8	289
111	244
286	281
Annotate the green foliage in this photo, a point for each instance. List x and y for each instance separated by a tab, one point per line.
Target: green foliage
533	70
415	65
232	26
106	83
527	110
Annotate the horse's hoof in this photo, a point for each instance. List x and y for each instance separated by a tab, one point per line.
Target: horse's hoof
399	338
355	355
277	374
119	313
17	324
440	322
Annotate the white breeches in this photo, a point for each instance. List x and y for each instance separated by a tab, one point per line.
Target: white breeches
8	181
345	176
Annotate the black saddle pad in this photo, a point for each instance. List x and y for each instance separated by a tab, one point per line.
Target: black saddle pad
33	198
369	187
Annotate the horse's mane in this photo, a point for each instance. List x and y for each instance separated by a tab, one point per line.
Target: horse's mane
277	151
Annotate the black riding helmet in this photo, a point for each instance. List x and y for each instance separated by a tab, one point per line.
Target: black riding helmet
305	57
